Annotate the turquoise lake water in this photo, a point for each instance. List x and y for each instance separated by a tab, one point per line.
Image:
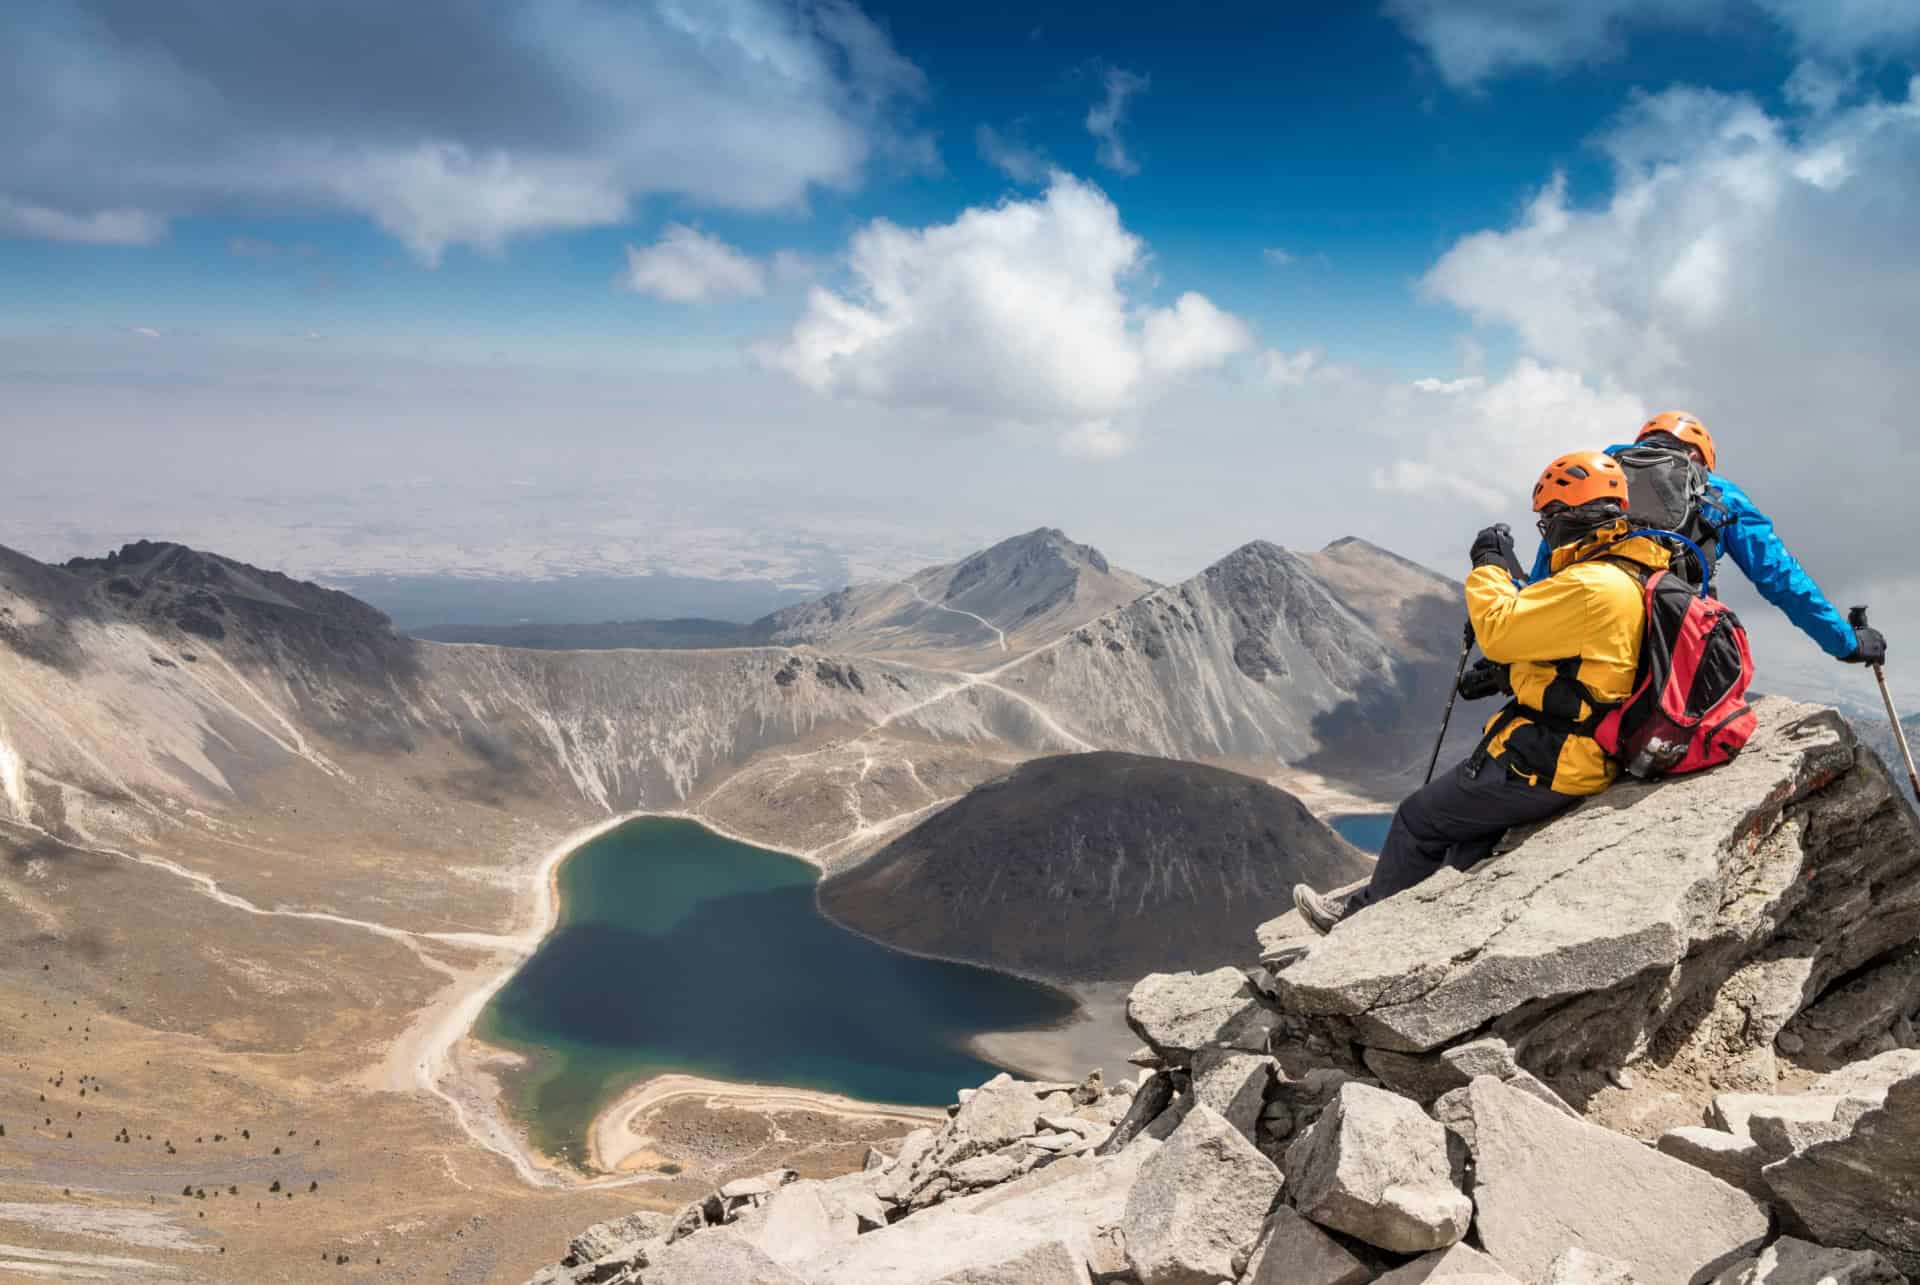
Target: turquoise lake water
1364	830
679	950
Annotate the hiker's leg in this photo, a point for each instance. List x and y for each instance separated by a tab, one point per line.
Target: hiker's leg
1526	804
1455	811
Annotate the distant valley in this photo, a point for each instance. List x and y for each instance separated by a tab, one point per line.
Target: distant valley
241	814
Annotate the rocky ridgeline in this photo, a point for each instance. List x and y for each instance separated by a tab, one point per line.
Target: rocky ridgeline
1418	1096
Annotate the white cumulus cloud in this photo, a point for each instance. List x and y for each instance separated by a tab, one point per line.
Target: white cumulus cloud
460	124
1019	312
687	266
1757	271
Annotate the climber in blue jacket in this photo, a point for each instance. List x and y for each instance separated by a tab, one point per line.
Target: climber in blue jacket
1722	517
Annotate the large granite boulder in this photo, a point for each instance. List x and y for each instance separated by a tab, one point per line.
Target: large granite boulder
1862	1191
1178	1014
1374	1165
1542	1182
1199	1202
1459	1265
1703	911
1798	1262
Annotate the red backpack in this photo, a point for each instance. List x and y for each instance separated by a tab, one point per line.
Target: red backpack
1689	708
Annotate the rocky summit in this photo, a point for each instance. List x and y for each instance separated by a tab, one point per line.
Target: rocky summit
1667	1039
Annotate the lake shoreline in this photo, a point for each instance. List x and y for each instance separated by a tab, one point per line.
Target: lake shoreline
606	1138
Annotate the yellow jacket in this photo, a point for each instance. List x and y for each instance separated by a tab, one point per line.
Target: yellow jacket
1573	643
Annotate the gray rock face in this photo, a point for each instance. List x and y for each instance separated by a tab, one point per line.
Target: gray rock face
1459	1265
1732	1158
1798	1262
615	1235
1862	1191
1375	1166
953	1251
721	1256
1233	1083
1003	1110
1584	1267
1292	1251
1200	1200
1542	1180
1599	937
1180	1013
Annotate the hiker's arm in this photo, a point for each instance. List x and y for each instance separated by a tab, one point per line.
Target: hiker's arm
1547	620
1750	540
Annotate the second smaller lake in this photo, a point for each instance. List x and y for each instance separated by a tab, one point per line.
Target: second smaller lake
1366	831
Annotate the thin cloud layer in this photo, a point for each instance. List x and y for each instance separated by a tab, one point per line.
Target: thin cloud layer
1471	41
687	266
462	124
1021	312
1104	119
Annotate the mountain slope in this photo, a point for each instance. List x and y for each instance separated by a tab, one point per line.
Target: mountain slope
1238	663
1094	866
1006	599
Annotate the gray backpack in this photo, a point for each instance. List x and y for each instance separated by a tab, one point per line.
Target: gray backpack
1668	490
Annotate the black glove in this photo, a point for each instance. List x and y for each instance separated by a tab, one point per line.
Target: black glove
1493	547
1485	679
1870	647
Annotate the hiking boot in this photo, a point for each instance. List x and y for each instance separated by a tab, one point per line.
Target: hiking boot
1321	910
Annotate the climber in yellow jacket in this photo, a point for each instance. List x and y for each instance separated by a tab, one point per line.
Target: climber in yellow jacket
1566	647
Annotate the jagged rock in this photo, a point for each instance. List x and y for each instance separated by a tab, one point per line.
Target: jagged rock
1150	1101
1732	1158
1292	1251
1199	1200
794	1225
952	1251
1853	1016
1734	1112
1614	929
1798	1262
615	1235
1542	1180
1459	1265
1180	1013
1869	1079
1780	1136
1233	1083
983	1171
1862	1191
1375	1166
1002	1111
719	1256
1578	1266
1425	1077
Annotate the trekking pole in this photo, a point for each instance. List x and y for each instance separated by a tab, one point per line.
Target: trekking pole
1453	694
1858	619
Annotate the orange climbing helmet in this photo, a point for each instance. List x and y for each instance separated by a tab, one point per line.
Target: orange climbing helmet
1580	477
1679	424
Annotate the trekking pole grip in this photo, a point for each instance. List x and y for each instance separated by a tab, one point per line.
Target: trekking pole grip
1857	617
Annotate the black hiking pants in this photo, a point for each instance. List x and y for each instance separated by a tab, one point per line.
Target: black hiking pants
1454	821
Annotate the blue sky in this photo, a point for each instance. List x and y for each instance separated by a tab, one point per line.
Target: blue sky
1320	131
897	278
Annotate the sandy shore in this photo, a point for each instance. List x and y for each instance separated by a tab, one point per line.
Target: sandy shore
615	1145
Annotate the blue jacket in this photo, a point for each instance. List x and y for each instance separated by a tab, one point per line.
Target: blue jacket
1747	534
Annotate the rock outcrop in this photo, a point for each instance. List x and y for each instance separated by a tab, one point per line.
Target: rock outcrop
1693	919
1323	1121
